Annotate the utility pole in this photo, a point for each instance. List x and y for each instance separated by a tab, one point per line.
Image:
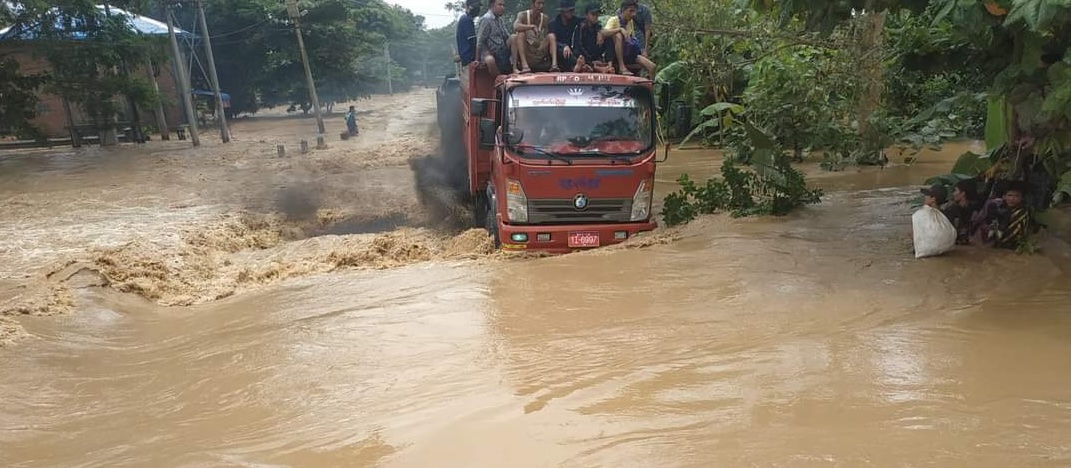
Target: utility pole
386	53
76	142
183	80
109	135
221	113
295	15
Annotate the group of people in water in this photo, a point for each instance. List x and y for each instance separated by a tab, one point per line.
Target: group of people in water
534	42
1002	221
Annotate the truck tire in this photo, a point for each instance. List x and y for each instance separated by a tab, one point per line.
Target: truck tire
479	218
448	106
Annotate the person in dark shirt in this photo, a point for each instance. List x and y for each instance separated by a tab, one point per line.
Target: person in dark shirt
466	33
960	210
563	26
589	42
935	196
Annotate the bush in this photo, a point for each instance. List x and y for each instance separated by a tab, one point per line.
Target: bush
780	190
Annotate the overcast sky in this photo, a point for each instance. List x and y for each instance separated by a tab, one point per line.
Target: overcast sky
433	11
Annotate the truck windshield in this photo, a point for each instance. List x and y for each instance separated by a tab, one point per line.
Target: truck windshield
580	121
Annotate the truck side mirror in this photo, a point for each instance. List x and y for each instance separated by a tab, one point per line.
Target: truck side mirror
513	137
487	133
478	106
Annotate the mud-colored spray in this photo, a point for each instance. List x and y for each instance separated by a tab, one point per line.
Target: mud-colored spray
237	254
442	180
297	203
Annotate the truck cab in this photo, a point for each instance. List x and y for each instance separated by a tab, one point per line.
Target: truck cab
559	161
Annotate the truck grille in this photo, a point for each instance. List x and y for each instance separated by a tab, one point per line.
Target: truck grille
561	211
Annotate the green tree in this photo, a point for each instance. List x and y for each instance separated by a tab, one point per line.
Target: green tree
91	51
260	65
802	96
18	100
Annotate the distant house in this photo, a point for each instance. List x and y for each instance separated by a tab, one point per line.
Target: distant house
18	43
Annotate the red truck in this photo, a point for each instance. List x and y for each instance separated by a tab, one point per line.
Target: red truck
555	162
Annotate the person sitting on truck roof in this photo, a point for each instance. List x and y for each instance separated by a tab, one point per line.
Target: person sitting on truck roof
535	46
494	42
589	42
564	28
465	36
644	25
626	45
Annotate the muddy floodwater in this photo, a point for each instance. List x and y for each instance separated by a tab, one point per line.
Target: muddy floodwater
167	306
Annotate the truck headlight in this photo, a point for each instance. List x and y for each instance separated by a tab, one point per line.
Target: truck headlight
641	201
516	202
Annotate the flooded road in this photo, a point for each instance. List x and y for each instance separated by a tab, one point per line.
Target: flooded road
811	340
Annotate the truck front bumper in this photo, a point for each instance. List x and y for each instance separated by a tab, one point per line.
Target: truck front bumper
556	238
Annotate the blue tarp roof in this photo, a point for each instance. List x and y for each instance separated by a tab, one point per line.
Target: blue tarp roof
140	24
201	92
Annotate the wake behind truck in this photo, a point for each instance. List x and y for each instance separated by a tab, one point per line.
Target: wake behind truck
555	162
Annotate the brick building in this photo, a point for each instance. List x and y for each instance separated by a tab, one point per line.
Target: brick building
51	118
50	114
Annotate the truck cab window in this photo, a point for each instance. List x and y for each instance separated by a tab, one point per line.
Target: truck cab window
582	121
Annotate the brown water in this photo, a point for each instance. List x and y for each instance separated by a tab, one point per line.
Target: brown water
811	340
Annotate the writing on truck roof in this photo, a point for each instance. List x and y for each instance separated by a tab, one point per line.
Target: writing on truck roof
573	78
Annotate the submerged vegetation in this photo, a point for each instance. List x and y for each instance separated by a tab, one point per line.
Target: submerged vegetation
773	188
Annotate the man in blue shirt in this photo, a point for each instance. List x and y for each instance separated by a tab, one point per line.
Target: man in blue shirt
564	26
466	33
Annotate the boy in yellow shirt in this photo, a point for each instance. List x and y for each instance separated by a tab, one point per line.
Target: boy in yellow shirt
626	44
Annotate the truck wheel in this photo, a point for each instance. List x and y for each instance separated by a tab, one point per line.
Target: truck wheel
480	212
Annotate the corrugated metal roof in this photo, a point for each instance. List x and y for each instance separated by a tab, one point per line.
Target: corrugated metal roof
140	24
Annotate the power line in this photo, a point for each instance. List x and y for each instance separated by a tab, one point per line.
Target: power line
229	33
449	15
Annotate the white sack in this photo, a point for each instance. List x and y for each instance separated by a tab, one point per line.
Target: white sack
933	232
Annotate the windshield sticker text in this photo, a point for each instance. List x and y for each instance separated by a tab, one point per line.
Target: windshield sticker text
577	96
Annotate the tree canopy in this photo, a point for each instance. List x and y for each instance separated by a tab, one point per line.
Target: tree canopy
347	42
93	54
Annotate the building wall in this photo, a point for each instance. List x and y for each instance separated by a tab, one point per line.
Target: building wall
50	117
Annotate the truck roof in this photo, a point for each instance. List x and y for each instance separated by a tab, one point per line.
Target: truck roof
573	78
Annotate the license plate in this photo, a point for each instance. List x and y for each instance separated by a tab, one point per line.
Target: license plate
583	239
